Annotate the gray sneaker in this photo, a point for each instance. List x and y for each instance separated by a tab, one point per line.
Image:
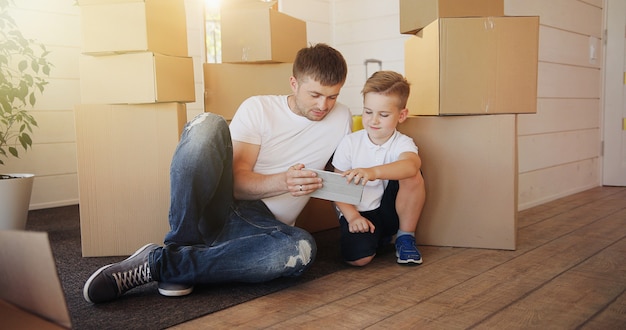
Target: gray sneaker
112	281
174	289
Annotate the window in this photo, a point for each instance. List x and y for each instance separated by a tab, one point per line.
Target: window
213	32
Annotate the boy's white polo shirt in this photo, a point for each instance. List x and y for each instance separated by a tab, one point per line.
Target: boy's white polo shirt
357	151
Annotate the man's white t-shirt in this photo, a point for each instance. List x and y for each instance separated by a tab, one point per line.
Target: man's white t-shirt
357	151
287	139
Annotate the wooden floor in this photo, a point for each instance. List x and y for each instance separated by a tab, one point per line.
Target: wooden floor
568	272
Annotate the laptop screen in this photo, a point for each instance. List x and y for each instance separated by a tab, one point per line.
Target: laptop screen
29	278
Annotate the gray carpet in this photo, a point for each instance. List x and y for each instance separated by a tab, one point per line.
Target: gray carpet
143	307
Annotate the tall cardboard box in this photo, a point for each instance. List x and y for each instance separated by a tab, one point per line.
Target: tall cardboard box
473	66
121	26
226	85
124	155
260	34
416	14
469	164
135	78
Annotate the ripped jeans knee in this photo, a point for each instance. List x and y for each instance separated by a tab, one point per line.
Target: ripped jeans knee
301	260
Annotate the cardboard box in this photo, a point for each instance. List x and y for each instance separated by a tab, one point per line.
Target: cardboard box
416	14
134	78
318	215
473	66
158	26
226	85
469	164
260	34
124	156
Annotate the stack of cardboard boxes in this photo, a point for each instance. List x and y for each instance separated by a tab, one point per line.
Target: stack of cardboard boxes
135	77
471	69
259	45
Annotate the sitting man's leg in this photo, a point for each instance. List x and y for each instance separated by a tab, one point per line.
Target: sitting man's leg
201	188
252	247
200	203
210	240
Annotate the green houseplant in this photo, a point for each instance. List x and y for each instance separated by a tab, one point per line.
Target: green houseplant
23	70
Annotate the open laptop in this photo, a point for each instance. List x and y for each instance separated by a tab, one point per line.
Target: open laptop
31	296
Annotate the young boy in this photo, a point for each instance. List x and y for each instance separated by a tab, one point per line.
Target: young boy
387	163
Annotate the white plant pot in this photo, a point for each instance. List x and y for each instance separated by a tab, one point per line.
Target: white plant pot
15	200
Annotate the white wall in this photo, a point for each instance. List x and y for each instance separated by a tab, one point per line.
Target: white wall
559	147
367	29
53	156
316	13
360	30
56	23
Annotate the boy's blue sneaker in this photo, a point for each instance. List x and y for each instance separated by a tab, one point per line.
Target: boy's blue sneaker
406	251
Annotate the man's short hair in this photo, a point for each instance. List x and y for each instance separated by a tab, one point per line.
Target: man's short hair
321	63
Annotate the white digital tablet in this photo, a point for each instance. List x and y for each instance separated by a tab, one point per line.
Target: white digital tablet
336	188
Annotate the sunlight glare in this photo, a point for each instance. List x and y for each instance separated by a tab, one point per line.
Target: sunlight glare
212	4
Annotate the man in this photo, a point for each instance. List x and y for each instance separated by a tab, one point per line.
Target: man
236	192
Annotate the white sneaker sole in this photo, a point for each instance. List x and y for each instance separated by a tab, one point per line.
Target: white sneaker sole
176	293
408	261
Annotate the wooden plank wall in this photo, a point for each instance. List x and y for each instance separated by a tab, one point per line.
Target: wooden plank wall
316	13
559	147
366	29
52	159
56	23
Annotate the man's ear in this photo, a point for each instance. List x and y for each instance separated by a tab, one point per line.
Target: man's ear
404	113
293	83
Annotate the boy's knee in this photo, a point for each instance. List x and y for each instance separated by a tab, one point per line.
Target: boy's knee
361	262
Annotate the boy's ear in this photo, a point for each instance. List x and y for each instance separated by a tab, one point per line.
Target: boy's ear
404	113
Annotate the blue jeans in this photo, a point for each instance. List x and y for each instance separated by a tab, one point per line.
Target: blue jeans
214	238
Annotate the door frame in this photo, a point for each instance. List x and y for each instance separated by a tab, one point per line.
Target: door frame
613	130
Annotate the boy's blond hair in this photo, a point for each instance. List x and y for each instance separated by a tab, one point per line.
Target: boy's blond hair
389	83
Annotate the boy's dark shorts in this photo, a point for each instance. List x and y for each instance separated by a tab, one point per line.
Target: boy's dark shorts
355	246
